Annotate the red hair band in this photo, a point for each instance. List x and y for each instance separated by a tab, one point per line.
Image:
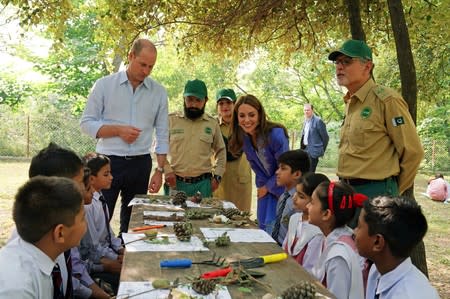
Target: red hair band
330	197
356	199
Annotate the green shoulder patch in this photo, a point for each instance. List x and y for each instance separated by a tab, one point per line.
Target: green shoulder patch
208	130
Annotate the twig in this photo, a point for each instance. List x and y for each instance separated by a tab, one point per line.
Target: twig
140	239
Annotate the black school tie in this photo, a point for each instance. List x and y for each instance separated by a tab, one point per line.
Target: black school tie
69	289
106	215
276	227
57	283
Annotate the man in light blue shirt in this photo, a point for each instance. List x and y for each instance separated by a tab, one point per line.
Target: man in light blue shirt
314	136
122	112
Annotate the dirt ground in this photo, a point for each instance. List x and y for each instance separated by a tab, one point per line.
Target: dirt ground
437	240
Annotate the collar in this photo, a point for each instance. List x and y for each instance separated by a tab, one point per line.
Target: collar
42	260
362	92
203	117
387	280
221	122
123	78
336	233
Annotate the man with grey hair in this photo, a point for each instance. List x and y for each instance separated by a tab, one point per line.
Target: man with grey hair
123	111
314	136
379	151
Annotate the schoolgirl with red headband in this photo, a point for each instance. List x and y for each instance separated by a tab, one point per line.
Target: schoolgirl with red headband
339	268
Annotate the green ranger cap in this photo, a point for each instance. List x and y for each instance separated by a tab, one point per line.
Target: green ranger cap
226	93
353	48
196	88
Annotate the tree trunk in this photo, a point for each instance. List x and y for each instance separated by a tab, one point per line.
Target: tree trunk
409	93
404	55
354	17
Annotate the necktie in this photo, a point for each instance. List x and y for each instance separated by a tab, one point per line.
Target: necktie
106	215
276	227
69	289
57	283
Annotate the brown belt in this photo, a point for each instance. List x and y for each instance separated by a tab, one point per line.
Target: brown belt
195	179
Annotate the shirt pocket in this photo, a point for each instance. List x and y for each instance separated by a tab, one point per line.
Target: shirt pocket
205	144
177	142
359	135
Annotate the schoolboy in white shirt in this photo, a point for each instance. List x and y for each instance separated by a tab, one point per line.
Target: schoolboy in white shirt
49	217
388	229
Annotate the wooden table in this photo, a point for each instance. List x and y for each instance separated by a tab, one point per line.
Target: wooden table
144	266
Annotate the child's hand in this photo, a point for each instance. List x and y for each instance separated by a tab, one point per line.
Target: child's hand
120	258
111	266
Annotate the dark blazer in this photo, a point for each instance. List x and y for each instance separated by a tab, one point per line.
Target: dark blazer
317	137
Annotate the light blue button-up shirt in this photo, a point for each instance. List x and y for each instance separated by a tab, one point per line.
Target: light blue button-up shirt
113	102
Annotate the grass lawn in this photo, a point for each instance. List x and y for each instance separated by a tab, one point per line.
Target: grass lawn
437	241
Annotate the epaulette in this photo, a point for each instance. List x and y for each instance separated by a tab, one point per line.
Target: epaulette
383	92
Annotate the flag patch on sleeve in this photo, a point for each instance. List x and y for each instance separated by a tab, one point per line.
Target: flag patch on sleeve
398	121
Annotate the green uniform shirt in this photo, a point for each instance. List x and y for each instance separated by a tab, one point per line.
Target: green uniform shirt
378	137
193	145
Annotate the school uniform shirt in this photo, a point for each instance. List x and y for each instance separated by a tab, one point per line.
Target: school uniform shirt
263	161
285	214
81	280
196	146
404	282
303	241
340	267
378	138
437	189
25	271
95	245
61	260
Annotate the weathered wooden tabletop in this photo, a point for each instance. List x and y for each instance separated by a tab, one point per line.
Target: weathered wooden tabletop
144	266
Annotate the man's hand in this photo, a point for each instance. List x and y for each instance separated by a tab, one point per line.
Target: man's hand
155	182
261	192
171	180
129	134
214	184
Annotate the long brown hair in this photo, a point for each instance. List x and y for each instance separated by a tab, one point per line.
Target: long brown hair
263	129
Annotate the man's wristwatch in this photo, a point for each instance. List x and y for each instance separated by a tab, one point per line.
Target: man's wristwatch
160	169
218	178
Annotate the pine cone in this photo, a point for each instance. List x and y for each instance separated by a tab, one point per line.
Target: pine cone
302	290
183	230
229	213
223	240
180	199
196	214
204	286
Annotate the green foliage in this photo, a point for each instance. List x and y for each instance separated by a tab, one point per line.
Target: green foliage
12	92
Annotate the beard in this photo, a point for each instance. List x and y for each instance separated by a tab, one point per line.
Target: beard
193	113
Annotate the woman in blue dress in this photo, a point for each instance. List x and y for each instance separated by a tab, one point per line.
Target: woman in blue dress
263	141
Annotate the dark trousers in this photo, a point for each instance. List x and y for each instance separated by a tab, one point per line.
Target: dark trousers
388	187
313	164
130	177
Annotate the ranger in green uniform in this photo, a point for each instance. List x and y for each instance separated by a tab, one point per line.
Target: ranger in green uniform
197	151
236	185
379	151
